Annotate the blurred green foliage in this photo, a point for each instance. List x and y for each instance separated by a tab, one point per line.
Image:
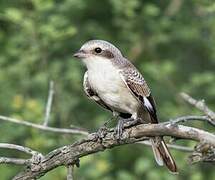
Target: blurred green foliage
171	42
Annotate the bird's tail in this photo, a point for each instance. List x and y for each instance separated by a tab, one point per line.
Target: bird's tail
162	154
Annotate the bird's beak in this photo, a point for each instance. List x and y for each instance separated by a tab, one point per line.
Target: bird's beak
80	54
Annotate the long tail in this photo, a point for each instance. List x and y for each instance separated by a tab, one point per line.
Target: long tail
162	154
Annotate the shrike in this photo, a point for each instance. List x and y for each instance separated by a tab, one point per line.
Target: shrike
113	82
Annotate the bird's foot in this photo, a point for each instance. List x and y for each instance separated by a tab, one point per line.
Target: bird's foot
124	123
102	131
132	122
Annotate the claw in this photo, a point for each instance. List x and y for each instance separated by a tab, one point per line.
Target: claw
119	129
132	122
122	123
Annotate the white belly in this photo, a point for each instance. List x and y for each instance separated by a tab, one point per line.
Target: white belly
106	81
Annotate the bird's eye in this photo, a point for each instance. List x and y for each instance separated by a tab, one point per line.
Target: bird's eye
98	50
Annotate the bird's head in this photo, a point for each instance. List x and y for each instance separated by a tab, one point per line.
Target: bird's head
97	49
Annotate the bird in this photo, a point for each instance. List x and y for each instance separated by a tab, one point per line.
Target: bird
114	83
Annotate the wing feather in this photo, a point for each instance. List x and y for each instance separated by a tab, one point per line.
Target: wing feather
138	86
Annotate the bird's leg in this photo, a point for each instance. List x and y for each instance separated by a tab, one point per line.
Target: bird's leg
119	128
132	122
122	123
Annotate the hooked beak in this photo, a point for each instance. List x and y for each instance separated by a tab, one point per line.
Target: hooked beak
80	54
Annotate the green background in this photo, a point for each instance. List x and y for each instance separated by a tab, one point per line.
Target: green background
172	43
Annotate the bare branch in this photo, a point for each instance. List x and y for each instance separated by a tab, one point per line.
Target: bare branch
203	152
18	147
38	165
70	170
35	156
45	128
172	146
192	118
199	105
6	160
68	155
49	103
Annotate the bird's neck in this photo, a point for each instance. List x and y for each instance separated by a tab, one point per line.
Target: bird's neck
97	63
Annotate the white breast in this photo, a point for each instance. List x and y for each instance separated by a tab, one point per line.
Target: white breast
105	79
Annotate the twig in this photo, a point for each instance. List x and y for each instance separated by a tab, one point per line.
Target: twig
172	146
45	128
199	105
68	155
191	118
49	103
17	161
173	7
18	147
35	156
70	170
203	152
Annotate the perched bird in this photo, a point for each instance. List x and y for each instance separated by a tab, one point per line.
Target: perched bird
113	82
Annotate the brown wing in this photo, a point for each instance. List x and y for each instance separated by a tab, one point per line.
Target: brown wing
138	86
91	94
136	83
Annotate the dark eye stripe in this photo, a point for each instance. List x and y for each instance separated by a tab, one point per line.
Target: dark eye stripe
104	53
107	54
